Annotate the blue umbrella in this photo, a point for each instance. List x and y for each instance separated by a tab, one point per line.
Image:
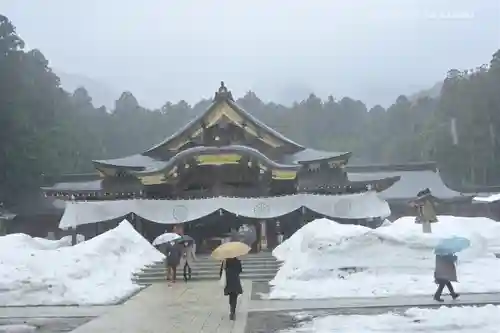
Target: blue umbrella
451	245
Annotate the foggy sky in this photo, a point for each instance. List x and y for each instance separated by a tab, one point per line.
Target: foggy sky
161	50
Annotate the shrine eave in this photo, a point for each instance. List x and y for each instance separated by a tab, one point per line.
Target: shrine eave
368	184
146	164
143	165
91	188
242	112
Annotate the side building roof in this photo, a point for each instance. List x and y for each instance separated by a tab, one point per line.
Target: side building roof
414	178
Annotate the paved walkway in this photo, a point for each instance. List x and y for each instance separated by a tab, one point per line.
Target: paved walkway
182	308
371	302
201	307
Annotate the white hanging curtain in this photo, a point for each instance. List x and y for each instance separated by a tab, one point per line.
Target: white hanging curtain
348	206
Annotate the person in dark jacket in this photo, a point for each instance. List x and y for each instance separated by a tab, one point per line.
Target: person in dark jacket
232	268
174	253
444	273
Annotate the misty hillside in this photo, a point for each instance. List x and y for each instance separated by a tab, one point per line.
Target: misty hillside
432	92
46	131
101	93
105	94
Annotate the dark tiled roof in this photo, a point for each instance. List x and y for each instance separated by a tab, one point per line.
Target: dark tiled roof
418	166
77	186
150	165
92	183
136	162
142	163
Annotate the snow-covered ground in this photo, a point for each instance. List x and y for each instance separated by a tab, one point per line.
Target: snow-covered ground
325	259
35	271
456	319
17	329
22	242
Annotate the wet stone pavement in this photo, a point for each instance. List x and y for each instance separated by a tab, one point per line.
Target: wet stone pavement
260	290
48	319
45	325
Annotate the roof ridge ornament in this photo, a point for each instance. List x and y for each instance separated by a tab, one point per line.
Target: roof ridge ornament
223	93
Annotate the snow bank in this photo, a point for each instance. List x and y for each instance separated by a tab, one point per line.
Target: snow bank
21	328
350	260
489	199
36	271
456	319
24	242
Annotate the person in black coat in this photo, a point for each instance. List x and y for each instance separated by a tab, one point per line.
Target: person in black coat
232	267
174	253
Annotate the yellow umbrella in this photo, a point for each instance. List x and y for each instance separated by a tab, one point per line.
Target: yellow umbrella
230	250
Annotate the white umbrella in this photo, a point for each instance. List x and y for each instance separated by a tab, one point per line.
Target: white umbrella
165	238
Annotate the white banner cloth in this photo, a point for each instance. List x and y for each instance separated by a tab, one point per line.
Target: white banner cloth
347	206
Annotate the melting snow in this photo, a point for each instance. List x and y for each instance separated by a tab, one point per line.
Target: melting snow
35	271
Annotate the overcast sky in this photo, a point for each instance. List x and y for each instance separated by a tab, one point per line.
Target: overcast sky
161	50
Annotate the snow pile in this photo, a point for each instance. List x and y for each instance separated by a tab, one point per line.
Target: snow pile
350	260
491	198
18	328
23	242
456	319
98	271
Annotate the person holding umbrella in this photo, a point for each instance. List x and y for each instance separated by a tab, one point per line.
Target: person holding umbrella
230	271
174	253
166	243
188	255
445	271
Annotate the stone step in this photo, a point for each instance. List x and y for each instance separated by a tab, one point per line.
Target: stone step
210	268
211	262
214	262
215	265
257	267
244	259
199	272
248	276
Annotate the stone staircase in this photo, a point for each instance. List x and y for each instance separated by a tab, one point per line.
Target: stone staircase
257	267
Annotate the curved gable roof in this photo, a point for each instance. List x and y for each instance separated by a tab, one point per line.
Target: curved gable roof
225	98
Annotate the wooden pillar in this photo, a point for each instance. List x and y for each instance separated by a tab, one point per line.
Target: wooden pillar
258	231
263	235
74	233
272	234
138	225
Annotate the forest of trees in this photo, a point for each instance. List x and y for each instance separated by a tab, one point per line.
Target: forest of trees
45	130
